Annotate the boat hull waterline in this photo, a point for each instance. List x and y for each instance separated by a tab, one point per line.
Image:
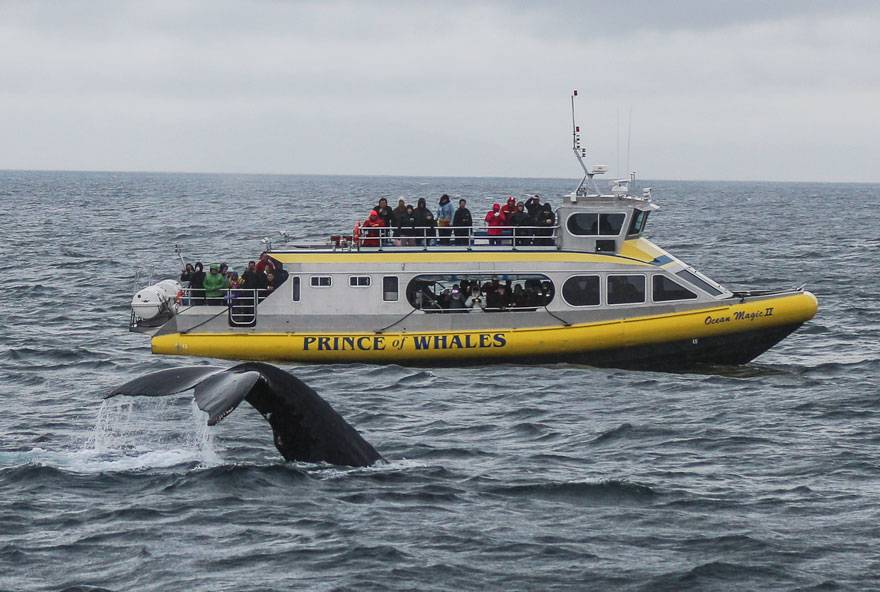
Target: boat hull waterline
732	332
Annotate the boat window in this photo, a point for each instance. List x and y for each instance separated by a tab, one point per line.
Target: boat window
664	289
295	282
610	224
583	224
389	288
359	281
640	218
321	281
581	290
595	224
698	282
626	289
479	292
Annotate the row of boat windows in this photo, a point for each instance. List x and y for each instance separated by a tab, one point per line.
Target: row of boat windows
593	224
538	290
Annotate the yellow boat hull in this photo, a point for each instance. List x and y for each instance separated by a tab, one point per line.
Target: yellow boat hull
731	333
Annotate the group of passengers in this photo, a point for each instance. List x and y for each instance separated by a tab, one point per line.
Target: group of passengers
520	223
221	286
491	296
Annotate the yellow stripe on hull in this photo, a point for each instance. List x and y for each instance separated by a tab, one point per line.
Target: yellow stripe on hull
496	344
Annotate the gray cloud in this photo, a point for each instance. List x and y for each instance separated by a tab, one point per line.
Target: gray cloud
739	90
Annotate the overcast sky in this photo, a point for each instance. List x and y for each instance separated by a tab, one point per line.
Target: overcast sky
776	90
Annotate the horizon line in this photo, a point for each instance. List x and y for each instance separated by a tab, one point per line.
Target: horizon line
378	175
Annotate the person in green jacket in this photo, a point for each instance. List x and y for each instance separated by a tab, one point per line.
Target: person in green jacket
215	283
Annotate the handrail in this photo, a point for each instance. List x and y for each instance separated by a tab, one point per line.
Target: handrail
469	237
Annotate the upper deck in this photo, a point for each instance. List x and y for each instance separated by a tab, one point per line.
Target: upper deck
600	224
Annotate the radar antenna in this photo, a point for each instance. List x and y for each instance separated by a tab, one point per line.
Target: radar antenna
587	184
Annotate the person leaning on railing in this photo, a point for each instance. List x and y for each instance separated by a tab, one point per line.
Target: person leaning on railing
215	284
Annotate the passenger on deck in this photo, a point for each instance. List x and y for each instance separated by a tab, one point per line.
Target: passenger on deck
546	220
521	221
186	274
509	208
533	205
384	211
270	281
281	274
249	276
495	219
407	227
462	223
372	232
444	219
397	217
264	262
425	219
197	284
215	286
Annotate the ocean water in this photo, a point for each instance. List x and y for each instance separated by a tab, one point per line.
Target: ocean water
501	477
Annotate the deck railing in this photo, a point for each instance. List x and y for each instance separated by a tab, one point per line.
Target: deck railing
447	238
241	303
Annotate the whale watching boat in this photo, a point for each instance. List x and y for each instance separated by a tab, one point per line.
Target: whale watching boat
587	287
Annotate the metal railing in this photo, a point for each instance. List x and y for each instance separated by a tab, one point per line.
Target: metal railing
448	237
241	303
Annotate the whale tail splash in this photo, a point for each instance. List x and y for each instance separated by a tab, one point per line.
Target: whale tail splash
305	427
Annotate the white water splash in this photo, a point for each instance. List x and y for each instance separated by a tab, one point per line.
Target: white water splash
133	435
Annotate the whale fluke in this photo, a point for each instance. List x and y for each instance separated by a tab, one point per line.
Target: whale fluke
305	427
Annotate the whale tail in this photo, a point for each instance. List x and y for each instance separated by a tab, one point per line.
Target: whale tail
304	426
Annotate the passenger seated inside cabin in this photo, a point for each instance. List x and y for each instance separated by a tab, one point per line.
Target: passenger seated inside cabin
467	292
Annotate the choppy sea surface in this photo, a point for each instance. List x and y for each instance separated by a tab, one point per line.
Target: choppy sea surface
500	477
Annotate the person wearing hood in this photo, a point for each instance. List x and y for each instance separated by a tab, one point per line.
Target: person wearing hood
533	206
197	283
406	227
398	217
372	230
444	219
215	284
425	219
384	211
462	223
546	220
495	220
521	221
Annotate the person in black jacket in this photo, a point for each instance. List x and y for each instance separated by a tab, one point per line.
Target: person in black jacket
462	223
546	220
406	228
533	206
384	211
197	283
424	218
520	221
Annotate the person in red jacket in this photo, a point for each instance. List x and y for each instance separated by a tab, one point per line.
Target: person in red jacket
371	230
494	220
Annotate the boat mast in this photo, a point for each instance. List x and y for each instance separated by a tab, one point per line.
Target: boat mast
587	183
